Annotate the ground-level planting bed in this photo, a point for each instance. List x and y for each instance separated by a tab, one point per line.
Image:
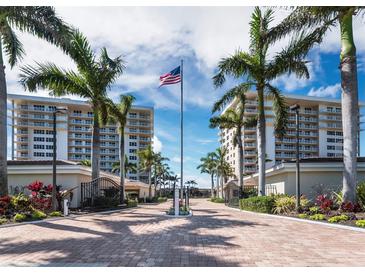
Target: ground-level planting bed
328	207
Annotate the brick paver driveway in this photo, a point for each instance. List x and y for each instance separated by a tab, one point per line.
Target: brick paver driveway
214	236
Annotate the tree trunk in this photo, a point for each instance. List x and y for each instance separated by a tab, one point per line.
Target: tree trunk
212	188
95	153
149	185
217	185
350	109
3	129
261	140
222	183
121	165
240	163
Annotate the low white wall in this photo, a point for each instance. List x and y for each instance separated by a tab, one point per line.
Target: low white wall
311	183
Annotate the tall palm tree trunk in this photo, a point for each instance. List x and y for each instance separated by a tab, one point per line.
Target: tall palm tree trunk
121	165
261	141
212	187
240	163
222	183
149	185
3	129
217	185
350	110
95	153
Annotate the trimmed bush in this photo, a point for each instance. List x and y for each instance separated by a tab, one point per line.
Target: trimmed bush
132	203
19	217
263	204
162	199
217	200
21	203
3	221
55	214
339	218
360	192
314	209
317	217
303	216
106	202
38	215
360	223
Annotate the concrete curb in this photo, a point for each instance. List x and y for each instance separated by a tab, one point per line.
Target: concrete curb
52	219
338	226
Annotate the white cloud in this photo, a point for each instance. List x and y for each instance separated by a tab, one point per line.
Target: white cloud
157	144
329	91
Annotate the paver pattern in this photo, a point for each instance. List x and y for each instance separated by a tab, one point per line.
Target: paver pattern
214	236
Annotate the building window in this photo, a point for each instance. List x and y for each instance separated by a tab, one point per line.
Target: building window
133	137
38	146
331	147
38	154
133	144
38	139
38	131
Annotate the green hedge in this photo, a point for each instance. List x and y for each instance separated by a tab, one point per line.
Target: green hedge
132	203
217	200
161	199
263	204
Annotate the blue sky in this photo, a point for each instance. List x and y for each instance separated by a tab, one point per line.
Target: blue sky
152	40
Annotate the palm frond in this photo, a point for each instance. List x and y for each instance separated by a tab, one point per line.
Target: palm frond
223	121
236	65
12	46
280	109
40	21
230	95
48	76
305	17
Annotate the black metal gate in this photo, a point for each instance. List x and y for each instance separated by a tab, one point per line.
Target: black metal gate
100	192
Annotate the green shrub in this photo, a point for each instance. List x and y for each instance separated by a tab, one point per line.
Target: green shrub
303	216
55	214
284	204
263	204
19	217
162	199
106	202
21	203
317	217
38	215
360	223
217	200
314	209
339	218
132	203
360	192
3	221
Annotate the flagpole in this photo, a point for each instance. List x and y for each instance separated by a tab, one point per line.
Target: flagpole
182	130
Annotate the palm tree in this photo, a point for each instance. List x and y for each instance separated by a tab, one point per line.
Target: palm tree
118	113
258	71
128	166
91	81
222	168
321	20
235	119
42	22
161	170
208	165
146	161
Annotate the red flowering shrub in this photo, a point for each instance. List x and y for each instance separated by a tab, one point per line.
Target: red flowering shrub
4	204
350	207
324	203
41	195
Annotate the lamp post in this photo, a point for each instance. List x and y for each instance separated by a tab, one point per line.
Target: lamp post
296	108
54	182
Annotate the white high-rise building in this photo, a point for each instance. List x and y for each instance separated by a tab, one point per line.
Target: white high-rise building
32	131
320	132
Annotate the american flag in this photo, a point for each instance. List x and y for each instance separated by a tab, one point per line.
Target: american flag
173	77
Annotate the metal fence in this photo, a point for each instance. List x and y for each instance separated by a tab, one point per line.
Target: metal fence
100	192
